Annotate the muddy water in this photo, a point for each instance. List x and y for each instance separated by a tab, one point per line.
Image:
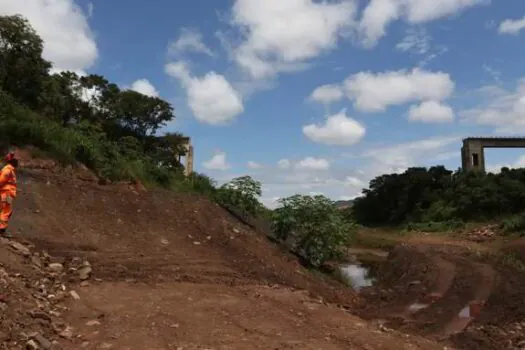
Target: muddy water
357	276
361	273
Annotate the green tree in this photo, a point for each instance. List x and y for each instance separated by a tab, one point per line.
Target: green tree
316	229
242	193
22	68
142	115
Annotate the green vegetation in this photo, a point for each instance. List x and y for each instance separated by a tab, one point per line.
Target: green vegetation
316	229
85	119
114	132
437	198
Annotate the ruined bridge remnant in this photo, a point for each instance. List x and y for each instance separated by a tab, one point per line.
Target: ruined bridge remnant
188	147
473	150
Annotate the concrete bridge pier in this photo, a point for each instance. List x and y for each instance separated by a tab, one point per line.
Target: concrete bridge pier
473	155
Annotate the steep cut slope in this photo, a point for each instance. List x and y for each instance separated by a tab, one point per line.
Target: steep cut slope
178	272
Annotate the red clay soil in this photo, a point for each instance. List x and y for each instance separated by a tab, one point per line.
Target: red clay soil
169	272
415	271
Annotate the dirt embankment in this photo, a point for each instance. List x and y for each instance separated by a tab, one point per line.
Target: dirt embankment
166	271
452	294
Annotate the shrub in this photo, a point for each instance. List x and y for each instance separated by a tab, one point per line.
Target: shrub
316	229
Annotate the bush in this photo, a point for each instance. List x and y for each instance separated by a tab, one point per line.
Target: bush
316	229
241	193
514	224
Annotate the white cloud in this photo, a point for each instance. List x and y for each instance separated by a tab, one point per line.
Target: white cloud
311	163
217	162
380	13
90	9
254	165
337	179
68	41
431	112
284	164
338	130
190	40
500	108
327	94
397	158
144	87
415	41
211	98
278	35
375	92
512	26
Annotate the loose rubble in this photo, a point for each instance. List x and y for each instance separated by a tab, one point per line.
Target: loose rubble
32	299
482	234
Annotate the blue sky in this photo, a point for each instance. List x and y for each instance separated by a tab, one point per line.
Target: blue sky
307	96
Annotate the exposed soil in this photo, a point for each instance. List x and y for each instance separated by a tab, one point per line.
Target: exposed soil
120	267
153	270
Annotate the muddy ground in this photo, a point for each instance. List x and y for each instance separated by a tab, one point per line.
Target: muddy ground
116	267
463	297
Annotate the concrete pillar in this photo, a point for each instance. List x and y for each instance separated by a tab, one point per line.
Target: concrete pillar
188	168
473	156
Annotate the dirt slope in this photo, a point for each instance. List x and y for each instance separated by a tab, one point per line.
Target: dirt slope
173	272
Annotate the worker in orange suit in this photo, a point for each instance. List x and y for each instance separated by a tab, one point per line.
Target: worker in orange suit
7	191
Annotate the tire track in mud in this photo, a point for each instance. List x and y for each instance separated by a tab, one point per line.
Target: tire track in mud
488	281
446	275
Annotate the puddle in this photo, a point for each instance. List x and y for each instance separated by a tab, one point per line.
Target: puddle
357	276
417	306
465	312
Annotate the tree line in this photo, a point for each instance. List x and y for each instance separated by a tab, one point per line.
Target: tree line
436	194
87	118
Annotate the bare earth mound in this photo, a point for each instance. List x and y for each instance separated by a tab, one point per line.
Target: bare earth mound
155	270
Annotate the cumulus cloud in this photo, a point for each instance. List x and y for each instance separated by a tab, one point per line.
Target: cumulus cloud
337	130
431	112
397	158
327	94
512	26
190	40
378	14
254	165
68	41
500	108
311	163
217	162
278	35
374	92
283	164
212	99
144	87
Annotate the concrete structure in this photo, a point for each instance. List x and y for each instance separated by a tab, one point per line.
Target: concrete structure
473	150
188	167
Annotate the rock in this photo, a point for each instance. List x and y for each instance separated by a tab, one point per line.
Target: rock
55	267
74	295
92	323
84	284
84	272
43	342
35	260
105	346
40	315
197	243
20	248
67	333
236	230
32	345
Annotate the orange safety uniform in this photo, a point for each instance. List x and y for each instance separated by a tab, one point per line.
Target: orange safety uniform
7	194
